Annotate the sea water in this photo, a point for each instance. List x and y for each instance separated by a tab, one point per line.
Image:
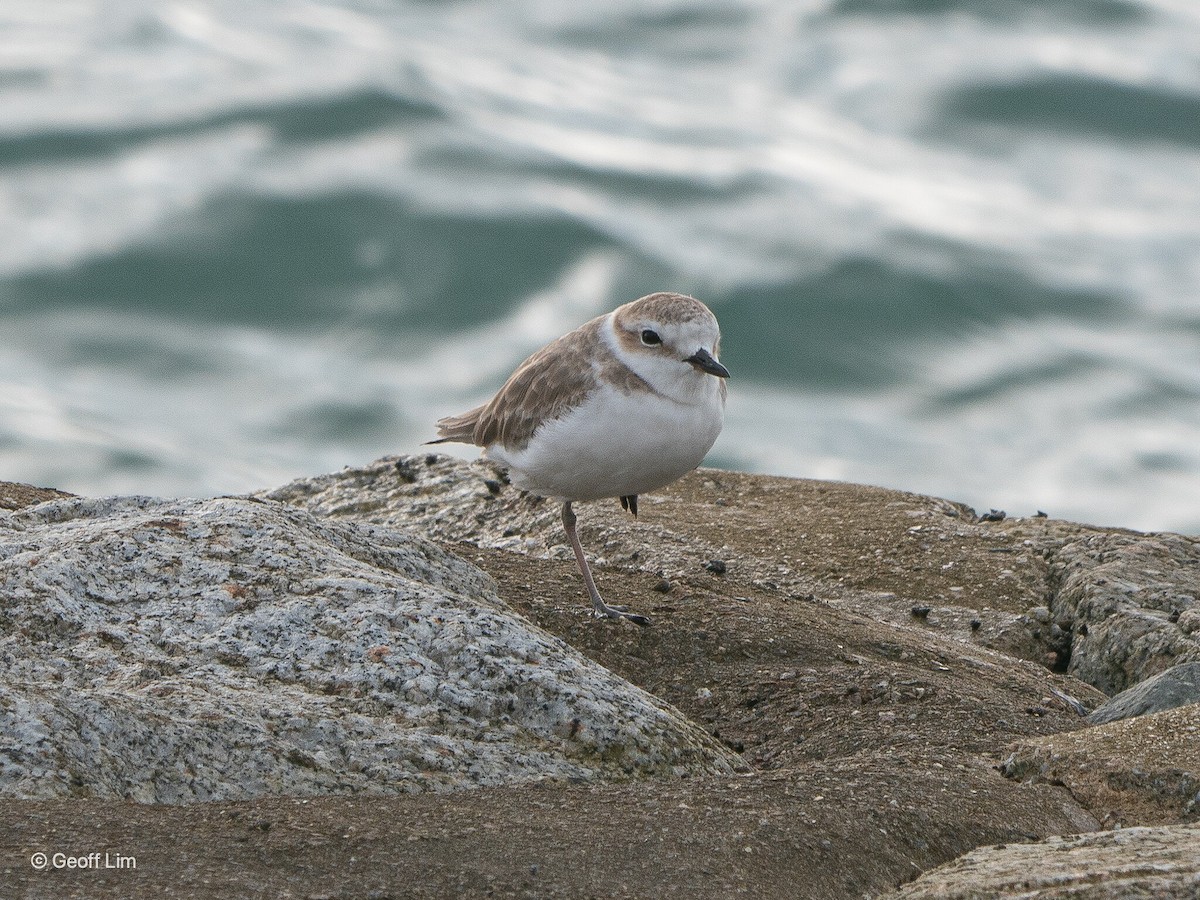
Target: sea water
954	245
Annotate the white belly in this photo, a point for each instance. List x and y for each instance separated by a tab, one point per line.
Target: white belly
615	444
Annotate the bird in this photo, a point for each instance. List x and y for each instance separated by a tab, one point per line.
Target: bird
623	405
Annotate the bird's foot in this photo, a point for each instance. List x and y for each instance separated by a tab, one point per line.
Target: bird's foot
604	611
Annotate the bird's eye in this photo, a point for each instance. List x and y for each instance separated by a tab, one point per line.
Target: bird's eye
650	338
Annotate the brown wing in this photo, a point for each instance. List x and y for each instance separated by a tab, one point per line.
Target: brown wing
544	387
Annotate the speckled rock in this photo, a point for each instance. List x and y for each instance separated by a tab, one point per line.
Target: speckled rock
450	500
1178	686
1137	771
173	651
1128	599
16	496
1110	607
444	498
1130	864
1123	597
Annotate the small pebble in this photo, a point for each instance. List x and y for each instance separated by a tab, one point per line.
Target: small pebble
716	566
920	612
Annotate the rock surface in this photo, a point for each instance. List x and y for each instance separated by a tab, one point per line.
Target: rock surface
1110	607
175	651
1139	771
1131	601
1178	686
1130	864
17	496
872	655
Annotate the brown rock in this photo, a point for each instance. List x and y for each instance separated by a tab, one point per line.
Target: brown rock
873	736
18	496
1139	771
1130	864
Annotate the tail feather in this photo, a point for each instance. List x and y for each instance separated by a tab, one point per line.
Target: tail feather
458	429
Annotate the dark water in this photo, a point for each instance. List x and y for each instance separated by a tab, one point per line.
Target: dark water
953	245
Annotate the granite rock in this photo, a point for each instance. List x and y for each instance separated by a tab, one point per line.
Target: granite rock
1128	600
1129	864
872	654
1110	607
1136	771
174	651
1178	686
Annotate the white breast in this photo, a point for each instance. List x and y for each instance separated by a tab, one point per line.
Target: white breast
617	443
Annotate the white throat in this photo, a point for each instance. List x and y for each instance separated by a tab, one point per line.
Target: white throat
664	369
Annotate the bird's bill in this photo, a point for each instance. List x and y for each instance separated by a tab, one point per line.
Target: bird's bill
703	361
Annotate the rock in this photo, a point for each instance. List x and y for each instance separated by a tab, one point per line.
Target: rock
18	496
875	738
176	651
1129	864
867	550
1138	771
1178	686
1110	607
1124	596
1189	620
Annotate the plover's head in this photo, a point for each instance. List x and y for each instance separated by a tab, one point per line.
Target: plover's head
672	341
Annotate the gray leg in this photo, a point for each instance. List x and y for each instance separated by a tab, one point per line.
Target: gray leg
602	608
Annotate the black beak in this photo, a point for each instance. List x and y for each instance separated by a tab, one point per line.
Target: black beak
703	361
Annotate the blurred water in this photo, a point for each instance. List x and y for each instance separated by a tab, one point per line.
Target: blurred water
952	243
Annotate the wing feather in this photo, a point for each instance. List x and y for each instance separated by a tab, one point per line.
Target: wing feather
545	387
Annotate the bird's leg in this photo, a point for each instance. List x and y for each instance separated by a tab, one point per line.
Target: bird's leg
629	502
602	608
